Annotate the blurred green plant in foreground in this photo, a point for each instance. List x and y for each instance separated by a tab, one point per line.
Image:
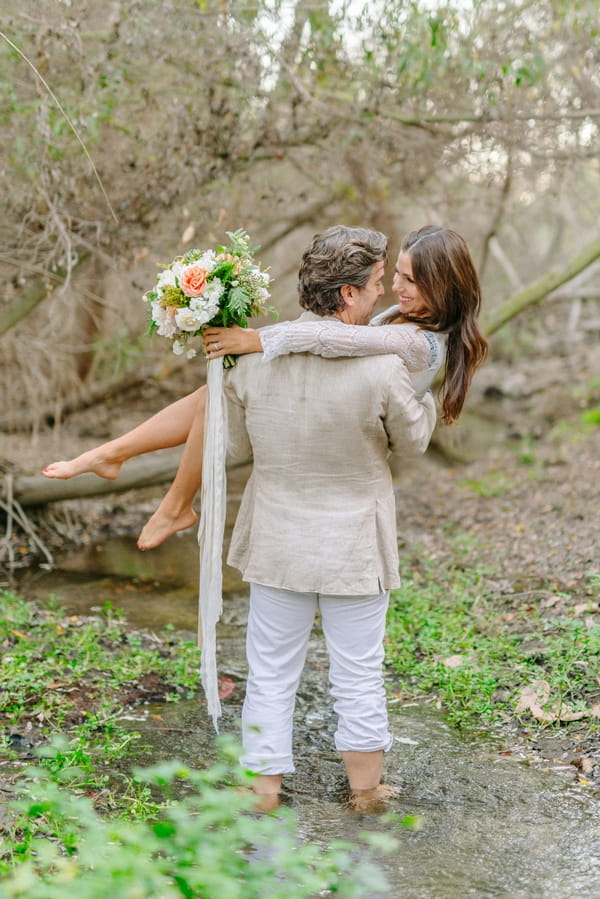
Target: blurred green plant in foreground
209	843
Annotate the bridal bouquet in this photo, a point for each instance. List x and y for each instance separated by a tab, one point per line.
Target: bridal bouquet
220	287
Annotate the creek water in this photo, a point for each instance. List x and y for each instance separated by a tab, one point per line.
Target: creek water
490	824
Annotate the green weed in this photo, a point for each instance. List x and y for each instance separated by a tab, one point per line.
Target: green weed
447	638
494	483
206	844
64	675
591	416
47	656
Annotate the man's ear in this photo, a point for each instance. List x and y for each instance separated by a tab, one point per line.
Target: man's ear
347	294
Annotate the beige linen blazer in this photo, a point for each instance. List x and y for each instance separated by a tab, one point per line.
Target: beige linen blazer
318	511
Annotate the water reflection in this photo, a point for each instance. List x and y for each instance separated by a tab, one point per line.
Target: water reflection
491	825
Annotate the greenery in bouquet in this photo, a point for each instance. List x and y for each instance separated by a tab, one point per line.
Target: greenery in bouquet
220	287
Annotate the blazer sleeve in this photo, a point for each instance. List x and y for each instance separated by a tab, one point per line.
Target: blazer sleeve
408	420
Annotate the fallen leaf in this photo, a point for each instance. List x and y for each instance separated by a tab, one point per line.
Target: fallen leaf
587	765
566	715
533	698
551	601
581	607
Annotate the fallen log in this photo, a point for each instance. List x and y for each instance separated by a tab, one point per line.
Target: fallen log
146	471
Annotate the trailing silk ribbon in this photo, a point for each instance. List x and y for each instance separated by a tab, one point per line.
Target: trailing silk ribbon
210	533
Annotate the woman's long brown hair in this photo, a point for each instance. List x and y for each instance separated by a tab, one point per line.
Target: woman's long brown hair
448	282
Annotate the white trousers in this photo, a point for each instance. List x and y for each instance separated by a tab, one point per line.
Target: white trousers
279	626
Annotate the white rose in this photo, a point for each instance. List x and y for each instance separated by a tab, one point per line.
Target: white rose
178	347
191	353
189	319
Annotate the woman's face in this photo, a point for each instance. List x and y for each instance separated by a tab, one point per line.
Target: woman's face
410	299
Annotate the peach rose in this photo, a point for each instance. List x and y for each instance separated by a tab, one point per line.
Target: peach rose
193	280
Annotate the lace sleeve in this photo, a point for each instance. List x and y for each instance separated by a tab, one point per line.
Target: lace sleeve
332	338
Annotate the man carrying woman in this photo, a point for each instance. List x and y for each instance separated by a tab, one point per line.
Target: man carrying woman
317	523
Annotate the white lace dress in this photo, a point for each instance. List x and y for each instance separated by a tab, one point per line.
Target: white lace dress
422	351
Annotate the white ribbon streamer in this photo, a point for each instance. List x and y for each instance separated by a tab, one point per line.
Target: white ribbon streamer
210	534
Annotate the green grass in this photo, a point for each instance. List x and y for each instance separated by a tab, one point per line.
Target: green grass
591	416
449	638
65	675
48	655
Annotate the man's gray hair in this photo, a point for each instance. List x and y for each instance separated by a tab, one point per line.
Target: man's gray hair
338	256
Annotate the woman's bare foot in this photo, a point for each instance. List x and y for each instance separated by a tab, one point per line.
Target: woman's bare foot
163	523
99	460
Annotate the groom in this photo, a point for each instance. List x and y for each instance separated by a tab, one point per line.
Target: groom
316	528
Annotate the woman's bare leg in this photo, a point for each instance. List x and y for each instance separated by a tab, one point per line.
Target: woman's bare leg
169	427
175	512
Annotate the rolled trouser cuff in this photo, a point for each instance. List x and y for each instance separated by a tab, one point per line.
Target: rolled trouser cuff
276	764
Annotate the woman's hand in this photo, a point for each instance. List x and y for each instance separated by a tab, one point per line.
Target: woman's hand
233	341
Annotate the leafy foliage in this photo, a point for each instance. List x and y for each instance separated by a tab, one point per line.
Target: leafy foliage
46	646
206	844
446	637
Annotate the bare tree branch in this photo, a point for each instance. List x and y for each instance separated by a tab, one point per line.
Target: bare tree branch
35	294
498	215
537	290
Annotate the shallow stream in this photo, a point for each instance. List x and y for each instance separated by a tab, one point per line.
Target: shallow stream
491	824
